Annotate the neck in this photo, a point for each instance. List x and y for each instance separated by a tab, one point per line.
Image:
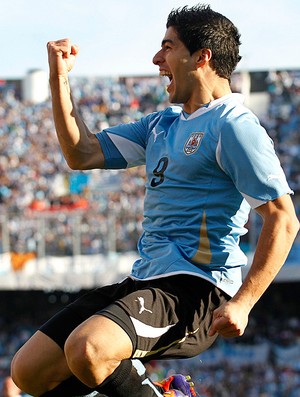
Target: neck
207	93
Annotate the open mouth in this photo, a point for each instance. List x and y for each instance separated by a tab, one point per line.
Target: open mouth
165	73
167	76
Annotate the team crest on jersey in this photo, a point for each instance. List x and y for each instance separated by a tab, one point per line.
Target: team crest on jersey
193	142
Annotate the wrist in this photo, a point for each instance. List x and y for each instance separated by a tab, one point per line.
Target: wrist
59	81
247	302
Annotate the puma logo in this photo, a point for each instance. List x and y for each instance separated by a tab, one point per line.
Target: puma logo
155	134
141	301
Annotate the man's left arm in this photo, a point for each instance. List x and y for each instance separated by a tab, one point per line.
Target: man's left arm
280	227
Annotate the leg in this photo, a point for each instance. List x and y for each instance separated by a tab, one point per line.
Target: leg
95	349
98	354
165	319
39	365
162	319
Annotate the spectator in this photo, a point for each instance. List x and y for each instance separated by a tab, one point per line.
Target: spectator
9	389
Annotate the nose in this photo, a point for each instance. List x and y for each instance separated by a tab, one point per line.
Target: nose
158	58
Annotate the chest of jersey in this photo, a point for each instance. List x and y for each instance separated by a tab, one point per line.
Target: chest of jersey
181	154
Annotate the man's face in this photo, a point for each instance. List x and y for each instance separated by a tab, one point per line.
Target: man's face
174	61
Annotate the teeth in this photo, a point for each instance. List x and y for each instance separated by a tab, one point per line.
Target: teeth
165	73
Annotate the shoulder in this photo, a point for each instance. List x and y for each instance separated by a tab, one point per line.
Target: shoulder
164	118
238	120
171	112
233	109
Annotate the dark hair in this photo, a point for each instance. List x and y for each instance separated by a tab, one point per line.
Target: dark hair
200	27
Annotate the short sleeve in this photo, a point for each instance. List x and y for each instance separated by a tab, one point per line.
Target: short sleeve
124	145
246	153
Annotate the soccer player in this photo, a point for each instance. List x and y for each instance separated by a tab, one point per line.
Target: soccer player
208	162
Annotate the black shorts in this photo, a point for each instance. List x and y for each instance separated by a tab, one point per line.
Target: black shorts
165	318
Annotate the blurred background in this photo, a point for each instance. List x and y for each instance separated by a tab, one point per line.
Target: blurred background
64	232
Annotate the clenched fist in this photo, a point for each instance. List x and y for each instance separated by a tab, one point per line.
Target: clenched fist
61	57
229	320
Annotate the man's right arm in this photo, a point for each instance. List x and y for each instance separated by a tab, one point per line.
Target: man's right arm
80	147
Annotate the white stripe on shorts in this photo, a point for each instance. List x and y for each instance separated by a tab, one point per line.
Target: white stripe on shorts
147	331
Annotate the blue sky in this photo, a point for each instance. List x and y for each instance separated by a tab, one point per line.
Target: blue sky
120	37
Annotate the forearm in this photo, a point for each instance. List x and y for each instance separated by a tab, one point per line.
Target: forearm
279	230
277	235
76	141
64	114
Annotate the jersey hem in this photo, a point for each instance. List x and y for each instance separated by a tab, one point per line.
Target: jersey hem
157	276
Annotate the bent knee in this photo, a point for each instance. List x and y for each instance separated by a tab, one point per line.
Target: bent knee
98	338
22	373
95	348
17	369
39	365
87	359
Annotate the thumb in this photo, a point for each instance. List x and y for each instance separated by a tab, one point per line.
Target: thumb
215	322
212	330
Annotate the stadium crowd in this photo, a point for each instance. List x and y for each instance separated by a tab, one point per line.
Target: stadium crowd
37	186
35	180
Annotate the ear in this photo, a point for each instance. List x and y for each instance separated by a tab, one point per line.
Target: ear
203	56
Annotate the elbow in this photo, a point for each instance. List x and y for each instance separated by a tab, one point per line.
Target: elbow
73	164
83	163
293	226
85	155
284	215
290	224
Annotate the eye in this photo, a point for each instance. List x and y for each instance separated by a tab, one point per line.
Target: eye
166	47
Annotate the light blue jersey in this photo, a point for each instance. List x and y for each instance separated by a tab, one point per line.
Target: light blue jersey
204	173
